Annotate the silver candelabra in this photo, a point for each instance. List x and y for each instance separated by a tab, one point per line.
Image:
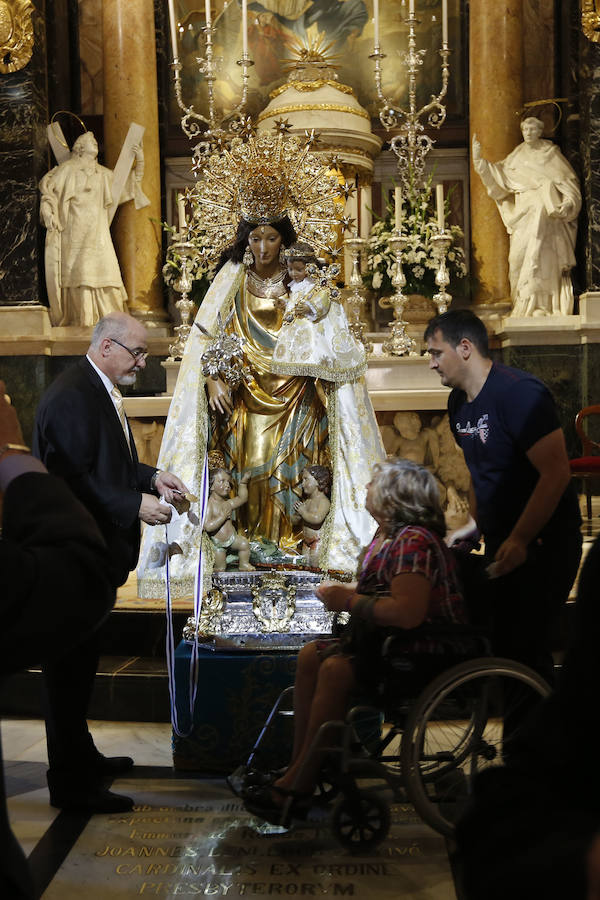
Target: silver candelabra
220	128
441	244
399	343
411	145
185	250
356	301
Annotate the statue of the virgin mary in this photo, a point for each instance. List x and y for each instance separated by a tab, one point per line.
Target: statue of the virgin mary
252	202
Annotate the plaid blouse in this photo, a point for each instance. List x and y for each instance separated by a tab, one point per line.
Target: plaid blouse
416	550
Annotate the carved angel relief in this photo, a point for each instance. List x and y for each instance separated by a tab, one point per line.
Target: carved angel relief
590	19
16	34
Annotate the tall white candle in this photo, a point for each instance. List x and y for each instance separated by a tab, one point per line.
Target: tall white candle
376	22
181	212
173	29
444	21
208	16
244	27
411	7
439	205
397	209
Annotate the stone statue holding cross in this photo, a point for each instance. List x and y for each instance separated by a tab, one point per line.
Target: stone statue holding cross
78	200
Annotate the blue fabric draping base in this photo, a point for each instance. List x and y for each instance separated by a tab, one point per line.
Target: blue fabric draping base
236	692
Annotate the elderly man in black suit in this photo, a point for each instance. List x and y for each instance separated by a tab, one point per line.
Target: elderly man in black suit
45	533
82	435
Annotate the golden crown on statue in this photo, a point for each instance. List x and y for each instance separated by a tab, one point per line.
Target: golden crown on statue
263	198
262	180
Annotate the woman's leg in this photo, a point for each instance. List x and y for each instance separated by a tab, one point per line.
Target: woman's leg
335	682
307	671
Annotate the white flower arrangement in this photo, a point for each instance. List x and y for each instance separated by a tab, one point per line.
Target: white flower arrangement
418	262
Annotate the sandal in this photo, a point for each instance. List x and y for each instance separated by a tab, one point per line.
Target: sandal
259	801
242	779
255	777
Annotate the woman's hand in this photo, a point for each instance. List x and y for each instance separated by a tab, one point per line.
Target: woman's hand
219	396
335	596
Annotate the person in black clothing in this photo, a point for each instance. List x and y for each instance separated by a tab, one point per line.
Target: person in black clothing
55	588
522	498
530	825
82	435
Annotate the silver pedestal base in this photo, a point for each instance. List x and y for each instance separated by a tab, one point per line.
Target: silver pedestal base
262	610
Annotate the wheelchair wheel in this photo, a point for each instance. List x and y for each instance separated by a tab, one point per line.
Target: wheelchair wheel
362	823
466	720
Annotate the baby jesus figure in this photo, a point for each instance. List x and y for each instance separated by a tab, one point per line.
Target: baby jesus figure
312	511
218	524
314	338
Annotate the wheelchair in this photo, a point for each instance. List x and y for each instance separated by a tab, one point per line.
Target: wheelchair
438	722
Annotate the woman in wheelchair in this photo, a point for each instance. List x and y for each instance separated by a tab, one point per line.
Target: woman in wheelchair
408	578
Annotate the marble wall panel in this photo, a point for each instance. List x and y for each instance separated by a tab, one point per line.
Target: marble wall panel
23	161
539	57
563	370
589	105
26	378
90	56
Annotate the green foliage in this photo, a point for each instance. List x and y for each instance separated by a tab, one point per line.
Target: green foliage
418	262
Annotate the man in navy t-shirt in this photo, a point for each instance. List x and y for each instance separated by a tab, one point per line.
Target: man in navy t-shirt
522	498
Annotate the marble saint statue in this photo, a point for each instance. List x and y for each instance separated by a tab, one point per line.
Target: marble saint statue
82	272
538	197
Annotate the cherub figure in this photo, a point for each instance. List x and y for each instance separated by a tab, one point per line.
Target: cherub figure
218	524
411	441
312	511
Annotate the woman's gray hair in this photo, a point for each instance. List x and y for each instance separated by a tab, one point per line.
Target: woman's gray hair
405	493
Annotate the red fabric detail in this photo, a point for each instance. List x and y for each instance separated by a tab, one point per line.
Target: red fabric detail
585	464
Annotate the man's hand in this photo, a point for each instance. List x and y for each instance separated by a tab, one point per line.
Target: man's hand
511	554
170	486
153	512
219	396
475	149
334	595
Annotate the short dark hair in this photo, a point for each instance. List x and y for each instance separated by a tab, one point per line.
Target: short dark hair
322	475
457	324
302	252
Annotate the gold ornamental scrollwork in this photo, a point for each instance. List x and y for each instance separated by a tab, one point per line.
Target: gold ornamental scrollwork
590	19
274	602
308	86
16	34
311	107
210	616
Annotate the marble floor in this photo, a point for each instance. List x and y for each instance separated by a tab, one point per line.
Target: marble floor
191	837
